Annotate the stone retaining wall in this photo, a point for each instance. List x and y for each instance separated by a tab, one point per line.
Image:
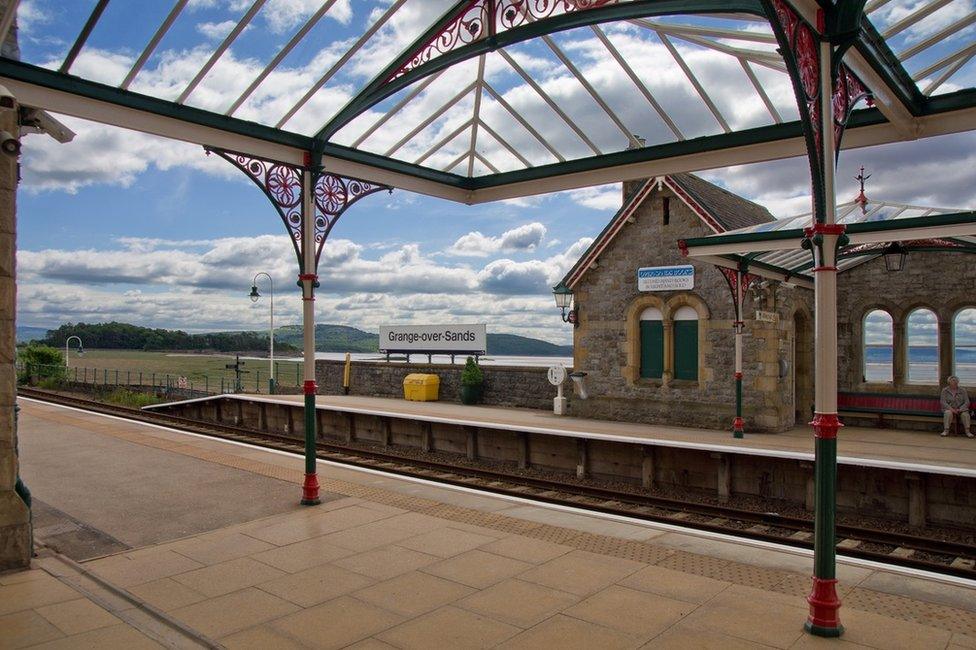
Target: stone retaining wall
504	385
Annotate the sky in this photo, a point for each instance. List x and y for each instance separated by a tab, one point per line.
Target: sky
119	225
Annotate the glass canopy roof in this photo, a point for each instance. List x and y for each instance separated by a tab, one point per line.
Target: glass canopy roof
776	246
474	94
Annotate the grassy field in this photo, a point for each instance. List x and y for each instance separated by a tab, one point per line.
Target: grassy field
201	370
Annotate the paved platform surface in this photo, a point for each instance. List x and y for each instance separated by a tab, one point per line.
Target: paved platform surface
855	443
395	563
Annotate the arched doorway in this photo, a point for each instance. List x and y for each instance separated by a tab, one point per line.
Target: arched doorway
802	367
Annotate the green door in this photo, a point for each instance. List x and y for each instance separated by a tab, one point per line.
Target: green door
686	349
652	349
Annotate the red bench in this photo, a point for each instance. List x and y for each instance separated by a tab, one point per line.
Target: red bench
882	404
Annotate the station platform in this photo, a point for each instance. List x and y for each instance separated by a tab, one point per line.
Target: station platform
384	561
860	446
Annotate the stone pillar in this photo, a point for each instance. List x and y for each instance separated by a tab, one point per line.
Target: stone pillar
899	353
945	350
15	527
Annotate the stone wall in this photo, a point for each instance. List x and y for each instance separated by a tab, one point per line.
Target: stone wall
15	533
942	282
504	385
607	340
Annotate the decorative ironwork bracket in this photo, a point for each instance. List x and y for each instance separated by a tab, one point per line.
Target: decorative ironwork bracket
283	184
483	19
732	278
799	44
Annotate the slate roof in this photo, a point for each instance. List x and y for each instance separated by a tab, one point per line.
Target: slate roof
730	210
719	209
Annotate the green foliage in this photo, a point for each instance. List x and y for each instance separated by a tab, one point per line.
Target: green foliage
123	336
472	374
40	361
131	398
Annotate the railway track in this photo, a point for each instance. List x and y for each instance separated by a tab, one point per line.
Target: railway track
888	547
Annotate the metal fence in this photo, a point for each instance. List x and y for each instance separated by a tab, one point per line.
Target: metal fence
288	378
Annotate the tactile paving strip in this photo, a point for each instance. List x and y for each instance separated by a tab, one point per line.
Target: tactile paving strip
899	607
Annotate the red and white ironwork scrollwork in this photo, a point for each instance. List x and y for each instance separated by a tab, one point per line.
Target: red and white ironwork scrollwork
480	19
848	91
283	185
732	278
800	46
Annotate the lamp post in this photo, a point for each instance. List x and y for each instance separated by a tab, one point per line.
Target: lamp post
81	349
254	298
564	300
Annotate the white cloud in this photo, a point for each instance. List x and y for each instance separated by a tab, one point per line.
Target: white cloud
29	15
214	31
599	197
525	238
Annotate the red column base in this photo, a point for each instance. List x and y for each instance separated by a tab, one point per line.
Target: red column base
824	619
310	490
738	427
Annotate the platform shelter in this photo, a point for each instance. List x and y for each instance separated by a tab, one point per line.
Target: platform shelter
451	105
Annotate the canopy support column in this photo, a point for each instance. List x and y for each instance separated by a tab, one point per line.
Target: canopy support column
308	278
309	202
738	281
826	92
824	236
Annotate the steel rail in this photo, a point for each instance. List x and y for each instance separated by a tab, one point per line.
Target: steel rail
717	518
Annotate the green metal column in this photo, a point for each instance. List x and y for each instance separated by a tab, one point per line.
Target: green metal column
308	278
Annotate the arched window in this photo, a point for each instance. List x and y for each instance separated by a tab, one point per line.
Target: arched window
922	336
879	337
651	343
964	347
686	343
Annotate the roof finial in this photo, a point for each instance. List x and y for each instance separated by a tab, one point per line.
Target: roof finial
861	199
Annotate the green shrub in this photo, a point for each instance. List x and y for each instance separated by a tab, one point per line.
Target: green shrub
40	362
131	398
472	374
51	383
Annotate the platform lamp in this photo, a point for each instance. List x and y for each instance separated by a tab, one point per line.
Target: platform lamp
895	256
255	295
564	301
81	348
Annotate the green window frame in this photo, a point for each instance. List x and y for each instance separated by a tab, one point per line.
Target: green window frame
651	349
686	345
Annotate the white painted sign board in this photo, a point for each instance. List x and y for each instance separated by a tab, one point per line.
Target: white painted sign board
666	278
470	338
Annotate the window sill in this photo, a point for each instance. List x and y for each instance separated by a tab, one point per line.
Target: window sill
684	383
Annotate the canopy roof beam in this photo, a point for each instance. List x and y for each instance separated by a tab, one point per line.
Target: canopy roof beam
86	31
351	52
497	96
153	43
279	57
637	82
549	101
219	52
581	78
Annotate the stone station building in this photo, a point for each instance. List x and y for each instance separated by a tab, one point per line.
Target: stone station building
668	356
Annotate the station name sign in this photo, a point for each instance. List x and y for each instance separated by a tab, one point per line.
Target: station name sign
666	278
450	339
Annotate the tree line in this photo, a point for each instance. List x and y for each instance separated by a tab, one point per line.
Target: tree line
123	336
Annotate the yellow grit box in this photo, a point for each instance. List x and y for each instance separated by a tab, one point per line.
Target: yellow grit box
418	387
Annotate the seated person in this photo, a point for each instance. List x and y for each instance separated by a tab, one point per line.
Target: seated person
955	402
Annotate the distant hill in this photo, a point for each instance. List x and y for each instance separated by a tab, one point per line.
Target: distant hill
331	338
26	333
342	338
523	346
124	336
328	338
